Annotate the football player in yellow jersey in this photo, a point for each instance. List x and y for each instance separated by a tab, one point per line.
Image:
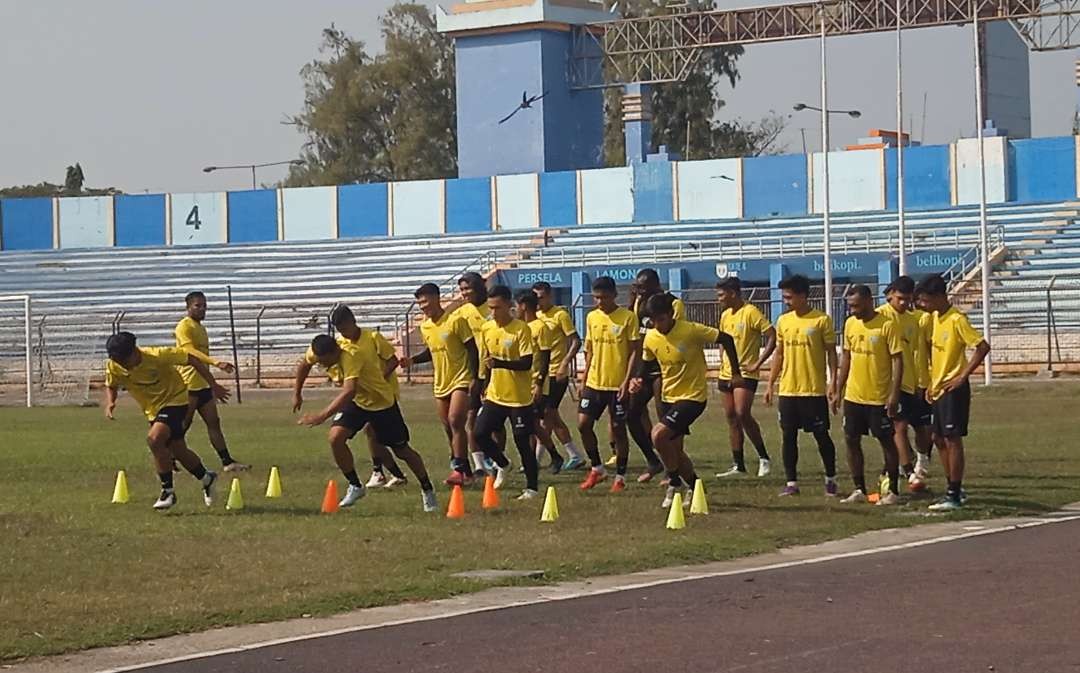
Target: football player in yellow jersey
191	336
673	352
747	325
365	362
562	358
647	285
545	339
950	392
451	348
805	355
151	377
612	349
914	409
506	352
871	374
476	312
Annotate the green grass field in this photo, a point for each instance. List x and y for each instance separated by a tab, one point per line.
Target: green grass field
78	572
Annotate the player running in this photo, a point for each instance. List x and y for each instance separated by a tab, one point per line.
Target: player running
506	351
364	362
451	349
151	376
545	339
950	392
476	312
673	349
747	325
191	336
563	354
612	349
871	373
806	344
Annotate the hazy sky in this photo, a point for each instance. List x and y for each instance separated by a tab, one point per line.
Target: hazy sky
145	93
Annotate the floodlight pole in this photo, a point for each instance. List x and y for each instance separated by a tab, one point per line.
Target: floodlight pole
984	238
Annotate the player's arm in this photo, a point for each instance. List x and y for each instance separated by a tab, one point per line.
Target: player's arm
110	401
543	363
203	358
588	360
727	342
303	368
521	364
418	359
766	352
982	349
348	391
647	369
472	355
631	367
221	393
896	360
832	361
573	345
389	365
839	381
774	371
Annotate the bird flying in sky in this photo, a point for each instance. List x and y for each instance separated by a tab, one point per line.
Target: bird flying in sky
526	103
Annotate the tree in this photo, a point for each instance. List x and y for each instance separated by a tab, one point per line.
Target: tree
74	179
381	118
73	186
685	114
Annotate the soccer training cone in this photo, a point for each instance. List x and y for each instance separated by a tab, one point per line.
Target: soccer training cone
273	485
236	498
491	496
699	505
551	506
456	510
675	518
330	498
120	491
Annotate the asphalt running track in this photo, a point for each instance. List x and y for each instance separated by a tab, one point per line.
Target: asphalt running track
1003	602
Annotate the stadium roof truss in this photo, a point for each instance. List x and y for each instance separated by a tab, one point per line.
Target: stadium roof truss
664	48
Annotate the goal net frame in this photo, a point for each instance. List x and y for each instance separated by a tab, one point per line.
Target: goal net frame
28	343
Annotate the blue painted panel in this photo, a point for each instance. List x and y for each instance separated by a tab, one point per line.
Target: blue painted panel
198	219
308	213
518	201
558	199
253	216
606	195
140	219
1042	169
26	224
654	199
927	181
709	189
363	210
468	205
419	208
573	120
856	181
86	222
775	185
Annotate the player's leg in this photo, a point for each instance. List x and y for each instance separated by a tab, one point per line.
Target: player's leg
208	411
157	439
454	413
391	431
735	431
951	413
887	438
924	440
382	459
617	419
668	436
790	424
542	439
589	411
816	415
744	404
854	428
639	426
522	424
351	420
555	424
490	420
194	465
476	453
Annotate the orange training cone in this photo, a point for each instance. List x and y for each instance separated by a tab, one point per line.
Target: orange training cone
330	498
456	510
491	496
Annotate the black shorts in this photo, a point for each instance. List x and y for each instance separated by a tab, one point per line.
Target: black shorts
866	419
724	385
809	414
388	424
556	392
176	420
951	412
679	416
202	397
915	409
476	393
492	418
595	402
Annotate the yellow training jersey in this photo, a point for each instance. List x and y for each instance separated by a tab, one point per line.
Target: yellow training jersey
476	316
364	360
644	322
155	382
922	354
191	336
544	340
746	326
512	341
910	336
609	339
804	339
681	356
563	325
872	343
953	335
446	339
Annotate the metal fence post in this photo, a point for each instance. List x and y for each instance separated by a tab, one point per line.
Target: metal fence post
258	347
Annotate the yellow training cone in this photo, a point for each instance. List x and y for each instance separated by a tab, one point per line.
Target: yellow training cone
120	491
551	506
675	518
273	485
699	505
236	499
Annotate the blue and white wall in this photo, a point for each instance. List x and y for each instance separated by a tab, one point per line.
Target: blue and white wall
1021	171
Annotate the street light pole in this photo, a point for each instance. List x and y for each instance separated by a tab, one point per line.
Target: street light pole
252	167
826	224
901	224
984	238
